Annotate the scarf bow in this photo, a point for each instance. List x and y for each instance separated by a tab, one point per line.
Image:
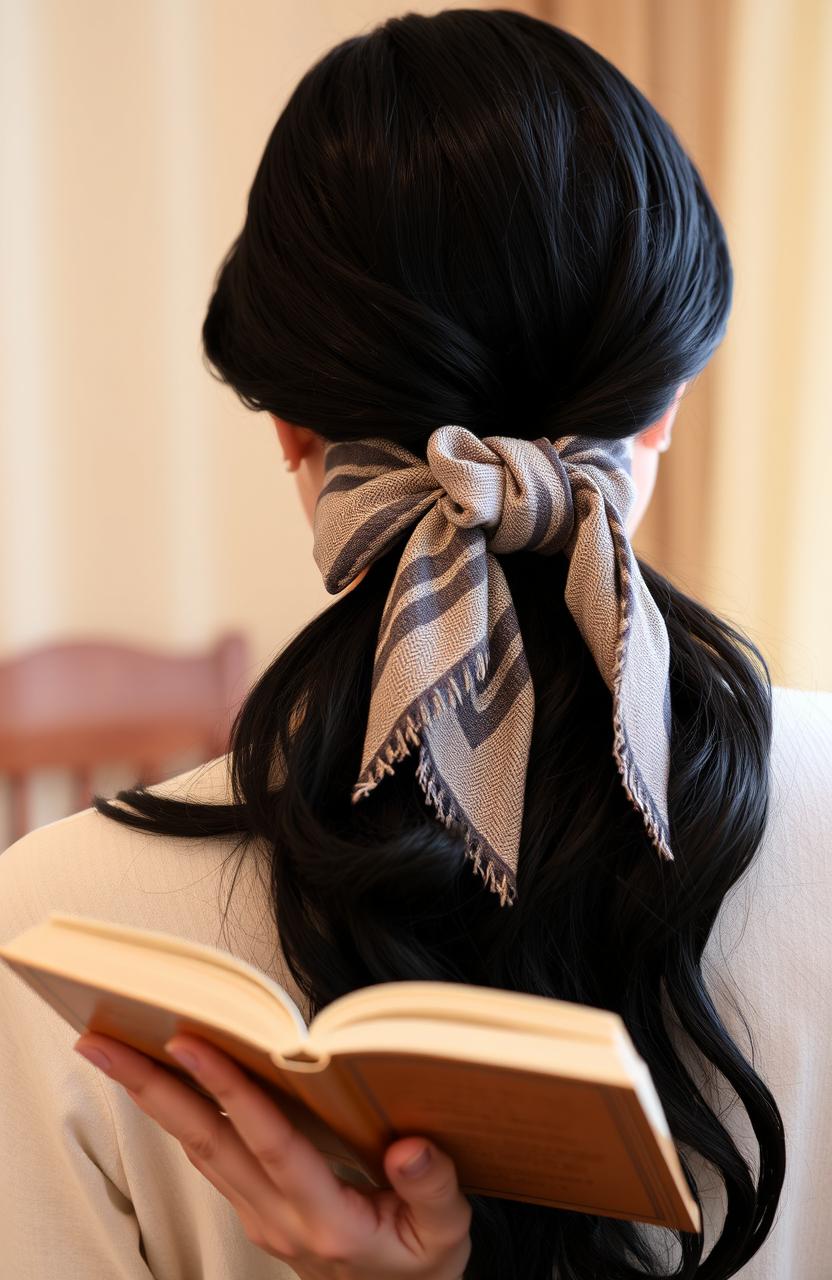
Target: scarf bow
450	676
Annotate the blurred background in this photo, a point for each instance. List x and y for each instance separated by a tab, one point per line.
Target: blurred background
153	557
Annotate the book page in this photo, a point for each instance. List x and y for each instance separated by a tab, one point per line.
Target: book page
463	1004
127	944
160	971
495	1046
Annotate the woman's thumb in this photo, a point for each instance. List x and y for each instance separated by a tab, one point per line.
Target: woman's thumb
425	1178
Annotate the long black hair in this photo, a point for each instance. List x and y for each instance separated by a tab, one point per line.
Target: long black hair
474	218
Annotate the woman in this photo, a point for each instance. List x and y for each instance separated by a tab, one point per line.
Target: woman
476	274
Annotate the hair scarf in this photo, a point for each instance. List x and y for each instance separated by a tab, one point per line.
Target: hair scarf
450	675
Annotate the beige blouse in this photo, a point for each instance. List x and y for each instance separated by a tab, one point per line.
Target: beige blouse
91	1188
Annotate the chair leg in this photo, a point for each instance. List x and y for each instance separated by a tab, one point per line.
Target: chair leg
19	805
83	788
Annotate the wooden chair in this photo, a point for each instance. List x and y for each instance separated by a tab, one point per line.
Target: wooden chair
77	706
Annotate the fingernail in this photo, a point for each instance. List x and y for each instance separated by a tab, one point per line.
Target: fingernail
95	1056
416	1164
188	1060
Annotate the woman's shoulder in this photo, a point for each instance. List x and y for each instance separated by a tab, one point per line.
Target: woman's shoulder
772	933
82	859
766	966
799	823
89	864
801	754
799	819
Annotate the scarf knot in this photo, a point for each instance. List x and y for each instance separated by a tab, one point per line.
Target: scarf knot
517	491
450	676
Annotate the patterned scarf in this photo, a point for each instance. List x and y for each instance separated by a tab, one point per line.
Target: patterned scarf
451	676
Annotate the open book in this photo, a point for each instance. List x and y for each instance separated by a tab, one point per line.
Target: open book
534	1099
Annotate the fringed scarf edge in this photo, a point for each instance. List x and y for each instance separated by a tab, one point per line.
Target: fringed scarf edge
444	696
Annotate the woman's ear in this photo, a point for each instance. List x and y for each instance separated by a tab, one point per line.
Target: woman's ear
658	436
303	451
296	442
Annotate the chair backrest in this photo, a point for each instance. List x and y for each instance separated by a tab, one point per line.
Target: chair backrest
80	705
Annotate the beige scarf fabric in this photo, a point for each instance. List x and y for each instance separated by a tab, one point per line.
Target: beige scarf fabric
451	676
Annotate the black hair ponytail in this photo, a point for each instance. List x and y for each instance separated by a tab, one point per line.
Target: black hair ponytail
474	218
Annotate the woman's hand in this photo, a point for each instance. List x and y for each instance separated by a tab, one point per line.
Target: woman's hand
288	1199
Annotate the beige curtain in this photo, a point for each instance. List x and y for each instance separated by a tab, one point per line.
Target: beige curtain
740	517
140	501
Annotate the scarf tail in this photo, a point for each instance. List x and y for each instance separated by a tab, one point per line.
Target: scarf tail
636	788
409	731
